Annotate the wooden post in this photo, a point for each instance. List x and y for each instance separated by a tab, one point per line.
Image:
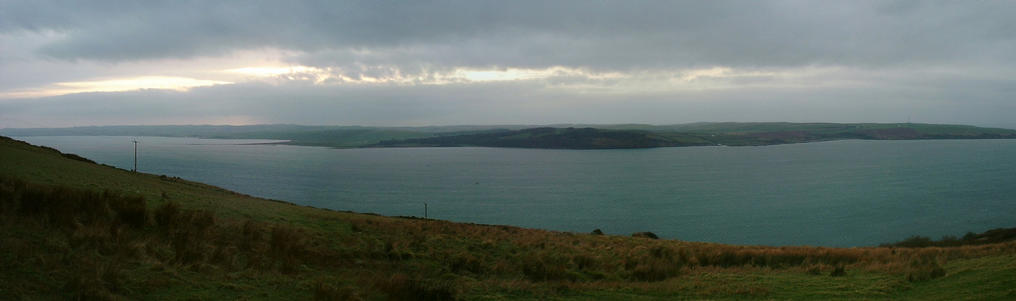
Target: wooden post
135	156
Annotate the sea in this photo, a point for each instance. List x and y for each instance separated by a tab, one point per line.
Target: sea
839	193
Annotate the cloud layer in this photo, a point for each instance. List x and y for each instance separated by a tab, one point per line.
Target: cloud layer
596	34
446	62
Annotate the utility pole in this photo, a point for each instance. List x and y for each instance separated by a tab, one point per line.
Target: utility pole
135	156
424	210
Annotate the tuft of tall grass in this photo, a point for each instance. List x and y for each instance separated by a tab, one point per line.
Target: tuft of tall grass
400	286
325	291
167	214
131	211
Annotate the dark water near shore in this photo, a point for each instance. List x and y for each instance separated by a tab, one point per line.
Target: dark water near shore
841	193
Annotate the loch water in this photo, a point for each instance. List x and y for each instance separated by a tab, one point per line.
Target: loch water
838	193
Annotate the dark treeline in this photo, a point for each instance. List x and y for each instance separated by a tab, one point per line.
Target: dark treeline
987	237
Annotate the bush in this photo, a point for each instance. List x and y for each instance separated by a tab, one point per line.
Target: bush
657	264
57	205
645	235
915	241
839	271
200	220
76	158
583	261
188	238
287	246
130	210
96	282
252	234
655	271
466	262
546	266
922	269
167	214
401	287
323	291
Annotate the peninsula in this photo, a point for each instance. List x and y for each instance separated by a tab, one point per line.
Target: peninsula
561	136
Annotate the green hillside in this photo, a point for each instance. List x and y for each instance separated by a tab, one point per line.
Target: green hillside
72	229
767	133
546	137
698	134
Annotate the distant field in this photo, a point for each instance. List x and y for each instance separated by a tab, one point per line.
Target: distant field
75	229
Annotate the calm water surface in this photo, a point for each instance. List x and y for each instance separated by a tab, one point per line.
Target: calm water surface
841	193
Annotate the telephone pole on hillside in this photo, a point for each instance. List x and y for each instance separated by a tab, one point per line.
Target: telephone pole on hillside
135	156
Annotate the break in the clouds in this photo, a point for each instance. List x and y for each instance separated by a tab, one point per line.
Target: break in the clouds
452	62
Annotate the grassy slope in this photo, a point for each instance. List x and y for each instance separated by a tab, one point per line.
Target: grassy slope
338	255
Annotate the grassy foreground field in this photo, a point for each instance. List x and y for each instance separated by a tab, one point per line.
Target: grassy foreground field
75	229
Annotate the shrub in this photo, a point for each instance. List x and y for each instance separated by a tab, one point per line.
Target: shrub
252	235
656	264
655	271
645	235
76	158
324	291
583	261
546	266
915	241
92	208
466	262
924	267
287	245
199	220
130	210
9	191
95	282
225	256
401	287
925	273
189	237
839	271
167	214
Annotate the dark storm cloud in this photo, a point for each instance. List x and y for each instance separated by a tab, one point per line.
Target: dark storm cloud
588	34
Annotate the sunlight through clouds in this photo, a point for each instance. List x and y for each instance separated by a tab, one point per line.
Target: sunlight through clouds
275	71
395	75
137	83
115	85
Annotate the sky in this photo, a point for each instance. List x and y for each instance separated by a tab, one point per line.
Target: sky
415	63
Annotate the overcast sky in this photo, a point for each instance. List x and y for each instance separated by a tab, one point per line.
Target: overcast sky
75	63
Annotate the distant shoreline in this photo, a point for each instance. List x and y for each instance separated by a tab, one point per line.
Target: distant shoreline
626	136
